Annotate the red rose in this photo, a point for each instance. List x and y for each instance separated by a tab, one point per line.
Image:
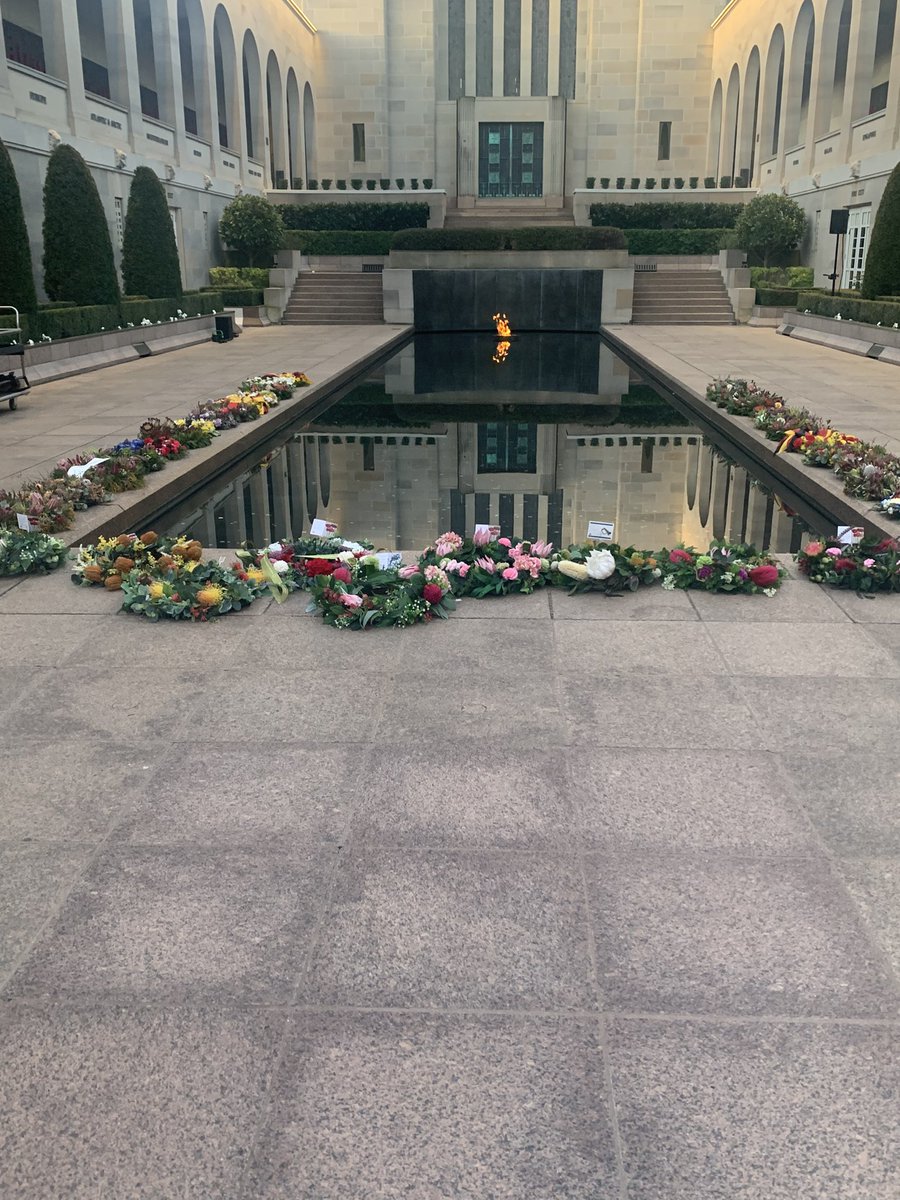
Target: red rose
764	576
680	556
844	564
318	566
342	574
432	593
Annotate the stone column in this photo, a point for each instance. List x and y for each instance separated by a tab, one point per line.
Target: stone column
470	48
122	61
167	61
892	113
525	51
467	132
62	53
818	114
553	49
499	13
863	27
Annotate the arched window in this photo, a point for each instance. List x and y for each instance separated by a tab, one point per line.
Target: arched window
226	80
275	121
745	165
715	131
730	124
194	70
252	79
800	77
773	91
294	121
309	133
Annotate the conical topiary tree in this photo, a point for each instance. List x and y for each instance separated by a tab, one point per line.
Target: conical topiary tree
882	276
150	264
78	253
16	276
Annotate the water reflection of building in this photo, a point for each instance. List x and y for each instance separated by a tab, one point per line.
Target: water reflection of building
403	488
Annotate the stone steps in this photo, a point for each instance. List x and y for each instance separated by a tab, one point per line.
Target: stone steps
335	298
681	298
507	217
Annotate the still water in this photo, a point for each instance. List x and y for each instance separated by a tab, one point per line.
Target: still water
539	439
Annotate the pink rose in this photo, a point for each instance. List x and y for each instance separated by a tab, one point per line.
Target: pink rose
504	542
510	574
869	562
463	570
342	574
834	551
350	601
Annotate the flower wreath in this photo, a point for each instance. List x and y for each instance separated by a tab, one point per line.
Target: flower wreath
483	565
359	593
871	565
725	567
111	559
25	553
301	561
607	568
189	590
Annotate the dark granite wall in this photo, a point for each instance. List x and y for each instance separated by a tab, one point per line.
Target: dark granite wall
533	300
540	362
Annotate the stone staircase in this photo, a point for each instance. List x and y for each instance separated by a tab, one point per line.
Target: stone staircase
499	215
681	297
336	298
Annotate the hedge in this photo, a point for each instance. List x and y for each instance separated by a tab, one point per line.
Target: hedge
15	253
882	274
777	297
801	279
674	241
338	241
359	217
238	277
850	308
78	254
150	265
241	297
531	238
59	323
666	215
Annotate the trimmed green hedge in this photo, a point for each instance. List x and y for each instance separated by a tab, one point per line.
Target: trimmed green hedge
801	279
241	297
58	323
531	238
666	215
358	217
238	277
850	308
777	297
674	241
338	241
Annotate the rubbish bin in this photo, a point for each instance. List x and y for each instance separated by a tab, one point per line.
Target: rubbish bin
225	327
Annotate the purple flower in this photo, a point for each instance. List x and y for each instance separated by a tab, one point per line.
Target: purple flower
704	572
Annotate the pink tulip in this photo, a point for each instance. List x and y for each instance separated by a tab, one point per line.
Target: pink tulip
510	574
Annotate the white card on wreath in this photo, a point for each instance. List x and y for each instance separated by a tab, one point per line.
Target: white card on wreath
850	535
493	531
388	559
26	523
320	528
77	472
601	531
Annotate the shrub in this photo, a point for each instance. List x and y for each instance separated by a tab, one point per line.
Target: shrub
770	224
673	241
356	184
428	184
725	182
15	255
401	184
150	265
665	183
798	278
635	183
235	277
241	297
384	184
709	181
253	226
649	183
604	182
531	238
777	297
342	185
882	277
379	215
679	183
370	184
589	182
620	183
850	308
338	241
78	253
297	183
326	185
57	322
312	185
665	214
694	181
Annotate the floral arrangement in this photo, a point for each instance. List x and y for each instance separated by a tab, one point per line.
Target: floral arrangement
358	593
108	562
282	385
483	565
868	471
188	590
891	507
51	503
23	553
871	565
725	567
606	568
301	561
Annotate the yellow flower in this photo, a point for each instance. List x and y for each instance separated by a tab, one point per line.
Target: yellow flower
255	575
210	596
156	591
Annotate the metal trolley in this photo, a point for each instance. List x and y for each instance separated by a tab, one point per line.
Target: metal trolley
14	383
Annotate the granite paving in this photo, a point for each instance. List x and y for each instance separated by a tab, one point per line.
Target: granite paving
565	899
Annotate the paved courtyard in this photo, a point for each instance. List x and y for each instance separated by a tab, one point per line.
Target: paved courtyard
563	899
